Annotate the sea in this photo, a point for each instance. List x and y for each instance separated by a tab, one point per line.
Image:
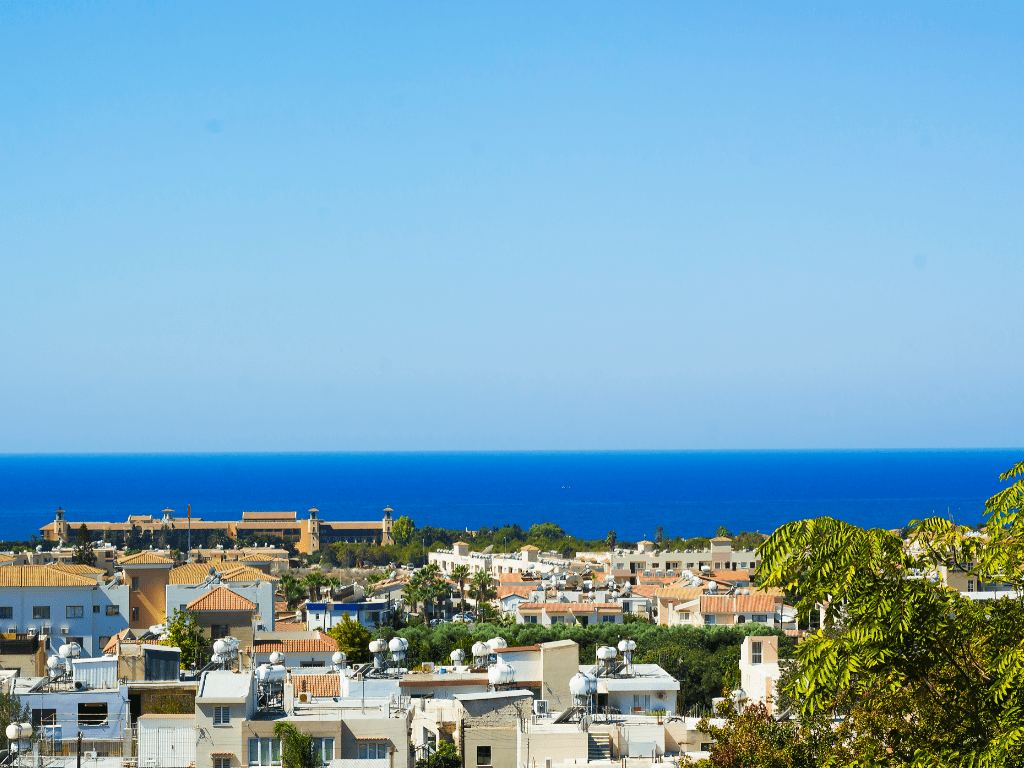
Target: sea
688	493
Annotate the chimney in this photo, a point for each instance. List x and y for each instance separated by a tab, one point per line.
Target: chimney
289	698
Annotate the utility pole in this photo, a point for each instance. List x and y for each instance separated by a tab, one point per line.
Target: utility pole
189	558
78	751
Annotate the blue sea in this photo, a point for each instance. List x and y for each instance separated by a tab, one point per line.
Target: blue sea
588	494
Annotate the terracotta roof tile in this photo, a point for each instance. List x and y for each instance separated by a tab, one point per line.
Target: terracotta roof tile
568	607
145	558
41	576
324	644
79	568
737	603
506	590
196	573
221	599
680	593
317	686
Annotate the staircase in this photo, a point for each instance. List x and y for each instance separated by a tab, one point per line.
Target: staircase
599	747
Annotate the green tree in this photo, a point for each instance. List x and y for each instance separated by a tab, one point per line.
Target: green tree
183	631
483	592
922	675
292	590
402	530
312	581
723	531
427	586
353	639
610	539
83	554
659	534
445	756
12	711
460	574
298	750
754	738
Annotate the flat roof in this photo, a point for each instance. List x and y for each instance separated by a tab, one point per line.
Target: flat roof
516	694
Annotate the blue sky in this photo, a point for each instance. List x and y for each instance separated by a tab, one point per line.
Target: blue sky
525	226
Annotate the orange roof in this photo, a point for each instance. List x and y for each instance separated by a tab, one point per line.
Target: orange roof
221	599
289	626
722	538
569	607
41	576
737	603
504	578
79	568
317	686
111	646
196	573
521	590
324	644
145	558
530	548
680	593
645	590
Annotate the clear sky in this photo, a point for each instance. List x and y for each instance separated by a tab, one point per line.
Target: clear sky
370	226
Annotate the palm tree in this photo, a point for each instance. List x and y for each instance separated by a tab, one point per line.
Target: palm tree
292	589
460	573
312	581
482	590
334	583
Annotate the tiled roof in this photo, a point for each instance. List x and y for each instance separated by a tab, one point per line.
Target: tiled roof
645	590
111	646
530	548
145	558
317	686
6	558
41	576
506	590
505	578
568	607
722	538
680	593
254	558
289	626
221	599
737	604
196	573
324	644
79	568
731	575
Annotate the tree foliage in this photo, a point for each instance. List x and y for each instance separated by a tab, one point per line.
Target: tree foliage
297	748
923	675
83	554
183	631
445	756
353	639
402	530
12	711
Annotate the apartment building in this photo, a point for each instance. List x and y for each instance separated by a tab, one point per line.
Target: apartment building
549	614
759	670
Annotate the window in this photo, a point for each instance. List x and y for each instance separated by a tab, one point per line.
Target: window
222	762
135	583
741	619
40	611
483	755
95	609
182	607
6	612
761	617
135	613
75	612
44	717
113	610
92	713
755	652
709	618
217	631
970	586
222	715
607	619
642	702
529	619
373	750
104	639
684	616
324	748
264	751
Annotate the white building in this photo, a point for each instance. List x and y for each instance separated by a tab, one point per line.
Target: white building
43	600
759	669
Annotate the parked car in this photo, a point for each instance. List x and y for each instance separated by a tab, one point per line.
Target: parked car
410	567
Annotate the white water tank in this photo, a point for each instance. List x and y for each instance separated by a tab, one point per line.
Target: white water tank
501	673
497	642
338	658
458	656
627	645
377	646
481	649
606	653
267	673
579	685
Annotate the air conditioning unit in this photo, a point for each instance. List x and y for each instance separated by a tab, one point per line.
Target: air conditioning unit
12	630
90	754
540	707
303	696
65	630
80	685
32	632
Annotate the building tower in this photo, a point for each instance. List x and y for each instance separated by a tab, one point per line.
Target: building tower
61	529
385	534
